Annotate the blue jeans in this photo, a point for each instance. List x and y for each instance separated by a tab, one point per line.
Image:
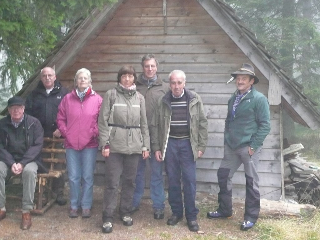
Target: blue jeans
156	183
180	164
81	165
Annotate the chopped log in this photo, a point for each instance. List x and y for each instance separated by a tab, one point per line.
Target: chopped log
282	208
292	149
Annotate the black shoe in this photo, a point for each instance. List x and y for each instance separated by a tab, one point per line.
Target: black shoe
134	209
107	227
158	214
127	221
216	214
61	200
173	220
246	225
193	226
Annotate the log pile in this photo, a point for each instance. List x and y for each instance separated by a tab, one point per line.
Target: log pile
302	179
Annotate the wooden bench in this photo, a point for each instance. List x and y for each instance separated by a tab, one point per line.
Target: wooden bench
52	147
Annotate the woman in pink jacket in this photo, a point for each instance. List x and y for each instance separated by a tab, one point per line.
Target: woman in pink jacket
77	121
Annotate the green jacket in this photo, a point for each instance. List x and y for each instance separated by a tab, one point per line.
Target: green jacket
251	123
198	124
126	109
152	94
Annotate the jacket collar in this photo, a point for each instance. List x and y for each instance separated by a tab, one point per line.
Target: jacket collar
157	82
167	97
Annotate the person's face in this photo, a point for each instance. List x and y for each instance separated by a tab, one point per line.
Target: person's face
16	112
83	81
48	77
150	68
244	82
127	80
177	83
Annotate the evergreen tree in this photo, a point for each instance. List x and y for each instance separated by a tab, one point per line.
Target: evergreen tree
29	30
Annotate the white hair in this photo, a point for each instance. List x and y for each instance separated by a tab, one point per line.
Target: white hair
178	72
86	71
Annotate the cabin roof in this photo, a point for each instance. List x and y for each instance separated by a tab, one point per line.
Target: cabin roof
282	89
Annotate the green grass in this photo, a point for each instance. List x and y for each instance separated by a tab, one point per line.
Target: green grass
290	228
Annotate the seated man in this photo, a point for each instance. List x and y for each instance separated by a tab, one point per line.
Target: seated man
20	146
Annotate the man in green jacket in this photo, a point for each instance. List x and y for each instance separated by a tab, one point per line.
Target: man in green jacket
179	136
247	125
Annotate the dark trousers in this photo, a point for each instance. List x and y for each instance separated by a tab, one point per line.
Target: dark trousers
180	164
119	167
229	165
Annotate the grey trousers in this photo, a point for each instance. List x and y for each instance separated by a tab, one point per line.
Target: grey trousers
119	168
229	165
29	179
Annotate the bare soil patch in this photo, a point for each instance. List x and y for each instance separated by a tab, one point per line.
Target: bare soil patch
55	223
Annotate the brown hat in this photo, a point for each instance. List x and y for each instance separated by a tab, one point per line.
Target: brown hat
248	69
15	100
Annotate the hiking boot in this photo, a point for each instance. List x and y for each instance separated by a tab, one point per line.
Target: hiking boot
107	227
86	213
127	221
173	220
73	213
246	225
216	214
3	214
26	221
193	226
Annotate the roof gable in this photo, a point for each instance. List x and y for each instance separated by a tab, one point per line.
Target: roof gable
281	88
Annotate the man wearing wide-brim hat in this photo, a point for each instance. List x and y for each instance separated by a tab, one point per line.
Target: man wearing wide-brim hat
247	125
20	146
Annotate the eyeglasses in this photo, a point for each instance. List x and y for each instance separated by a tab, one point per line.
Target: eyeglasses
16	108
47	75
127	76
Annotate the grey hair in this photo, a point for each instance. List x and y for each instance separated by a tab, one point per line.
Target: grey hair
178	72
148	57
54	71
86	71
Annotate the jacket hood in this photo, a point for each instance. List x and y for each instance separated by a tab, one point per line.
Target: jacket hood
125	91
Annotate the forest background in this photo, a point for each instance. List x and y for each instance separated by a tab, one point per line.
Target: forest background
290	30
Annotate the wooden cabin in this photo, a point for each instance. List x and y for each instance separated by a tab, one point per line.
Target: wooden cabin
205	39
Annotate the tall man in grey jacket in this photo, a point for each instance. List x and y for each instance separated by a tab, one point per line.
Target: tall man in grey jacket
151	86
20	147
247	125
179	136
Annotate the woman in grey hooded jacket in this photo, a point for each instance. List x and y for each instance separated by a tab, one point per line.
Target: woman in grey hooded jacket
124	136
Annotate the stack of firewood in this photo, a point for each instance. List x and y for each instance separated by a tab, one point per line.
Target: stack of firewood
301	178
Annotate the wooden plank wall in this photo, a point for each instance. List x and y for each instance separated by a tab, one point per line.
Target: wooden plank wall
190	40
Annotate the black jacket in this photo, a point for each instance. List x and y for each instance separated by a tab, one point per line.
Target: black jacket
23	144
44	106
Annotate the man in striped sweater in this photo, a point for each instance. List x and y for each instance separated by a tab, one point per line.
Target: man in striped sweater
179	137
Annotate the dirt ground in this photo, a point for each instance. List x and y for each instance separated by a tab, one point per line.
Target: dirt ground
55	223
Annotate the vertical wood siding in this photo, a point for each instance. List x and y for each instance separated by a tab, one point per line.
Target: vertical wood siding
194	43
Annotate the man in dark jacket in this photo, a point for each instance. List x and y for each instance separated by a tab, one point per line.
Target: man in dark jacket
20	147
43	104
247	125
151	86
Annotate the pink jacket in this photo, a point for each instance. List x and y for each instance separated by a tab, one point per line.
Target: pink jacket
78	121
